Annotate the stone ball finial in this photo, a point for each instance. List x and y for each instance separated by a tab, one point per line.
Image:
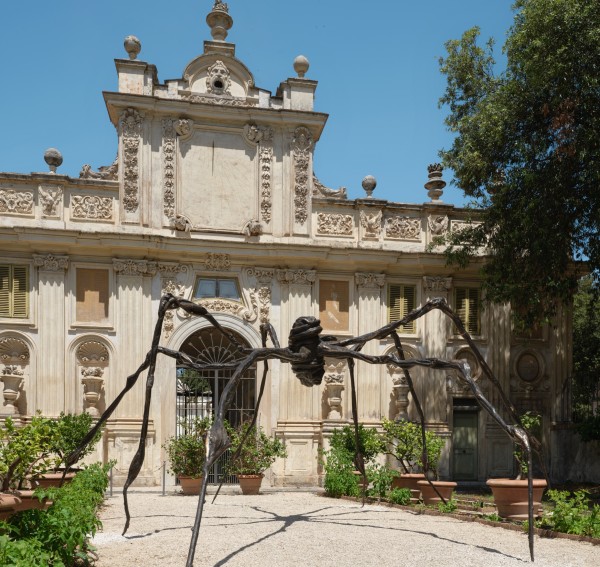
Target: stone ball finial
369	183
435	184
133	46
53	158
301	65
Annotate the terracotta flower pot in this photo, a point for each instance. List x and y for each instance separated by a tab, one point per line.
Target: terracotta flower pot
190	485
430	496
409	480
55	479
250	483
8	504
511	499
31	502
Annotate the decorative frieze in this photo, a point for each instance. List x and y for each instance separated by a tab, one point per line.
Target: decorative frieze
51	263
168	159
220	305
371	224
50	197
436	283
220	100
218	262
263	275
91	207
131	129
371	281
16	202
403	228
302	143
134	267
171	269
438	224
297	277
335	224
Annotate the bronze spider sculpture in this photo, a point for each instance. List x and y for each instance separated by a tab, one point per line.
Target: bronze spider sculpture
306	353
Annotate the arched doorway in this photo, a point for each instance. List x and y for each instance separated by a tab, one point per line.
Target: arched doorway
198	393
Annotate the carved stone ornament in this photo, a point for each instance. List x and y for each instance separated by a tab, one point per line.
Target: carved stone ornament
218	81
219	100
334	386
218	262
94	371
171	269
12	379
371	223
184	126
13	351
266	160
50	197
263	276
181	223
256	134
168	163
436	283
175	288
403	228
467	355
438	224
264	300
302	143
253	228
233	307
372	281
91	207
92	353
51	263
134	267
319	190
335	224
131	129
16	202
297	277
107	172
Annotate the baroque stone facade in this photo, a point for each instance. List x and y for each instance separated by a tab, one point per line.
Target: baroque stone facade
213	199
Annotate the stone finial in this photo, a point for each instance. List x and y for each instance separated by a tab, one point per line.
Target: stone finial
435	184
53	158
219	21
369	183
301	65
133	46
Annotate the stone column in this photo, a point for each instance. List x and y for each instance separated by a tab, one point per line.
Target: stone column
433	391
50	397
368	376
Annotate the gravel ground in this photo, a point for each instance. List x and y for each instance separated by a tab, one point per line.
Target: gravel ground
303	529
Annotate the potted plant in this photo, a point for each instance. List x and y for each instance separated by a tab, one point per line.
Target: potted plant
511	495
253	452
187	452
68	431
434	491
404	442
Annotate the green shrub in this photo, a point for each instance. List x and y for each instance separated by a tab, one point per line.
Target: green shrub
258	451
449	507
571	514
57	537
381	478
400	496
187	452
340	479
370	442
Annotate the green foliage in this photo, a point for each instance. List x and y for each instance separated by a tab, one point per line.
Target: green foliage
70	429
187	453
572	514
532	423
400	496
258	450
449	507
370	442
493	517
340	479
57	537
380	477
404	441
526	150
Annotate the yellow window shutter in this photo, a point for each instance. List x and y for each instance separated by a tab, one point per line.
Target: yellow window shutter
20	291
401	301
474	312
5	290
467	307
394	303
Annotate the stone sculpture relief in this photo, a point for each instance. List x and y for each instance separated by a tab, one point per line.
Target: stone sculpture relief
218	81
297	277
403	228
106	172
436	284
438	224
168	159
51	263
335	224
134	267
372	281
319	190
50	197
302	144
218	262
91	207
220	101
371	223
16	202
264	277
130	125
263	137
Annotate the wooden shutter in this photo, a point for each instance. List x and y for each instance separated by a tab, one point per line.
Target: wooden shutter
467	307
20	291
402	300
5	290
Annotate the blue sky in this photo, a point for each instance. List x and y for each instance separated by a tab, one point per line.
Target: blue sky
376	63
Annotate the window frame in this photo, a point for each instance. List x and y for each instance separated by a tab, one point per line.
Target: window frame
403	283
108	323
28	293
480	319
233	279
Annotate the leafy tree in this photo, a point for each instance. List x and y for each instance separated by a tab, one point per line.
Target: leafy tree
527	152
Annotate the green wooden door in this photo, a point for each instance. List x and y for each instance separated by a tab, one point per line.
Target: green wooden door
464	443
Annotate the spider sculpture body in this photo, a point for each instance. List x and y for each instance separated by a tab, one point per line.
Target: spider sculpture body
306	352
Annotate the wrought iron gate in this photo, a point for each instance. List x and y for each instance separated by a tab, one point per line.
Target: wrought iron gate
198	393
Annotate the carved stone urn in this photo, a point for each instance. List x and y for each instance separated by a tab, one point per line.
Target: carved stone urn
401	390
12	377
334	384
93	384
